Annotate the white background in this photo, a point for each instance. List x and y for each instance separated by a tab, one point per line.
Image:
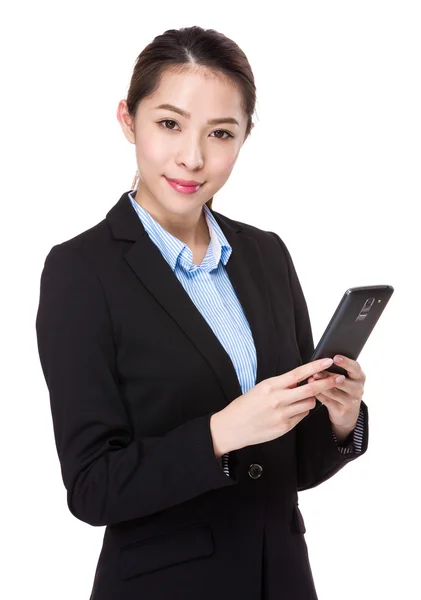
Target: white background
332	165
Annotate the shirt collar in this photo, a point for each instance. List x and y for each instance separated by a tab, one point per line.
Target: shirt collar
172	248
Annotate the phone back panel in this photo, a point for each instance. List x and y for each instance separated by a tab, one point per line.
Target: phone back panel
352	323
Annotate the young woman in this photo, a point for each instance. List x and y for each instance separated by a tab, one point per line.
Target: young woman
172	339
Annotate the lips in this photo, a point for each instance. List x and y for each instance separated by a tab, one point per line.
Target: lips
184	189
186	182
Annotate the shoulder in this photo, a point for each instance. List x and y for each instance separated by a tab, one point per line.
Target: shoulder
92	249
97	235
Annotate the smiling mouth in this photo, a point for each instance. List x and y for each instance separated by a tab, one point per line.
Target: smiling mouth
184	189
185	182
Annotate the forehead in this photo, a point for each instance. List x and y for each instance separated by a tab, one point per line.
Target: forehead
198	91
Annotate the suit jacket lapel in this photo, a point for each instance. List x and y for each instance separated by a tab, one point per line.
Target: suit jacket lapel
246	271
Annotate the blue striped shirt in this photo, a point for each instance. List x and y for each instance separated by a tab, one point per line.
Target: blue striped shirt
209	287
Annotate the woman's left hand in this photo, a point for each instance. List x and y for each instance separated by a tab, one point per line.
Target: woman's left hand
343	401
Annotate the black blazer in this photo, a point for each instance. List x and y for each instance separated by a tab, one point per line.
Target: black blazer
134	373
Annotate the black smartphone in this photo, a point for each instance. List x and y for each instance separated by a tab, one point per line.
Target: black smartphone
352	323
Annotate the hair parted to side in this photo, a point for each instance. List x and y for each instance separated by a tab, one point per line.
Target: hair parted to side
190	47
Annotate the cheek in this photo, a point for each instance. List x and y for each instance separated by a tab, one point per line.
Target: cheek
151	151
223	164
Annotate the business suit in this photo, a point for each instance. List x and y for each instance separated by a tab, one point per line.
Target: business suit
134	374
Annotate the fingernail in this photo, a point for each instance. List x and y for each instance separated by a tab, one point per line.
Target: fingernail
327	362
340	379
317	375
338	359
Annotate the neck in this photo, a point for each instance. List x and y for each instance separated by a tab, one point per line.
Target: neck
190	230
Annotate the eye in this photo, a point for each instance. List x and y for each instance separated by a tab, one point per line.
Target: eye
160	123
166	121
223	131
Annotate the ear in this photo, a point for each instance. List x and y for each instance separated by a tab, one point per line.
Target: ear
126	121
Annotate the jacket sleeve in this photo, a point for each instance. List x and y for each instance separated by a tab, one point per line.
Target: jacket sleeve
109	475
318	455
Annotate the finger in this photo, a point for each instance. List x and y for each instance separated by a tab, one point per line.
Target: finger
352	391
325	400
342	380
339	379
325	374
335	395
311	389
318	376
304	371
332	403
328	401
351	387
348	387
352	367
321	375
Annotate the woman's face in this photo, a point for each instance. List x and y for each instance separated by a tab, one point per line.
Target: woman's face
185	146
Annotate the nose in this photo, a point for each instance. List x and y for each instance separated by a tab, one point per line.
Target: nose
190	154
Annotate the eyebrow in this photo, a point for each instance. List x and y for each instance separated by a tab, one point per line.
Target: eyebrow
185	114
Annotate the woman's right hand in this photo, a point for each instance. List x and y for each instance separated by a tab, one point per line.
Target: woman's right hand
270	409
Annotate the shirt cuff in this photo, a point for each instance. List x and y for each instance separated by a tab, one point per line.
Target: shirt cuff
223	463
354	441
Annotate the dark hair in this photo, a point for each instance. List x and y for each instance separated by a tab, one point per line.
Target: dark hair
178	49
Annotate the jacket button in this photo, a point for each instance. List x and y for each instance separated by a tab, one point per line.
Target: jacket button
255	471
